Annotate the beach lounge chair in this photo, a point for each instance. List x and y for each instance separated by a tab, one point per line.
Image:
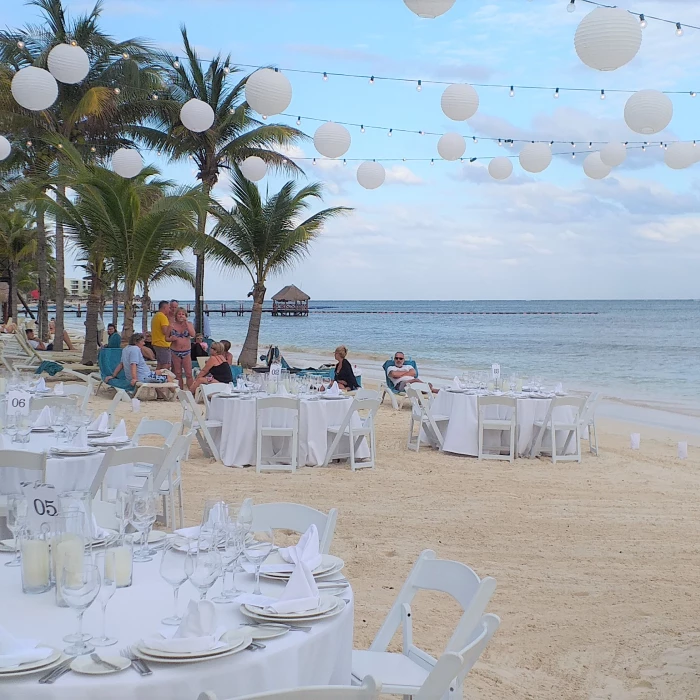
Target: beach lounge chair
387	386
108	359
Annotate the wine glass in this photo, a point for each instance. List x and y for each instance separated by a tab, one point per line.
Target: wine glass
233	547
11	427
215	512
245	515
58	422
106	562
123	508
16	518
144	511
80	587
173	570
203	568
257	551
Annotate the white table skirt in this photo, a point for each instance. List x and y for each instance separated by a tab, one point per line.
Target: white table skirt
237	440
321	657
65	473
461	435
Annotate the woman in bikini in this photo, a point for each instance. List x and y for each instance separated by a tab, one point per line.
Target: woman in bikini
179	334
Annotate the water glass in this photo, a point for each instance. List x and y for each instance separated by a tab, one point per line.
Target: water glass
173	570
233	548
107	565
16	517
80	587
144	512
203	568
257	551
245	515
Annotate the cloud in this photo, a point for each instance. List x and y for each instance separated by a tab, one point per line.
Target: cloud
401	175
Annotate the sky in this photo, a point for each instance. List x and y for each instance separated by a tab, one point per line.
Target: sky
447	230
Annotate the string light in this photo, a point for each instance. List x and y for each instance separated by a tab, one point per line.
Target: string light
362	129
391	131
73	42
29	144
125	55
602	94
642	18
679	29
573	155
693	93
476	140
500	143
421	132
419	87
573	145
512	91
432	161
371	80
556	93
227	70
571	7
590	145
93	150
325	76
20	44
642	21
176	63
117	91
314	162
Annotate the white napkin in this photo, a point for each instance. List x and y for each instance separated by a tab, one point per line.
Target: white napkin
44	419
189	532
14	651
135	405
456	384
333	390
101	423
197	631
559	388
40	385
306	550
58	389
81	438
119	431
300	593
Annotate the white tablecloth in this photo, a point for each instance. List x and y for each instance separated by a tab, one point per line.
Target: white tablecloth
236	439
462	432
65	473
321	657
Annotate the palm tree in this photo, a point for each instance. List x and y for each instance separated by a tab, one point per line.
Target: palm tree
265	238
17	245
234	136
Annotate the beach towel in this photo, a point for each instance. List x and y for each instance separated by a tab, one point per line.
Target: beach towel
51	368
108	359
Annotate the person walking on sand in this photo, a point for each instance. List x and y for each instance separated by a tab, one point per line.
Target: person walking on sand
161	346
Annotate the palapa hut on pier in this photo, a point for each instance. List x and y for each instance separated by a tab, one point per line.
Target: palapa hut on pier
290	301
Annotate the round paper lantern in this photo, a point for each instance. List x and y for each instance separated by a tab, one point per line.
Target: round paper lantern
613	154
500	168
459	101
332	140
594	167
680	155
268	92
5	148
648	112
127	162
451	146
34	88
608	38
68	64
429	9
197	116
371	175
535	157
254	168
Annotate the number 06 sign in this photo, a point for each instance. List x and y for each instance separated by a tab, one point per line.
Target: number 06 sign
18	403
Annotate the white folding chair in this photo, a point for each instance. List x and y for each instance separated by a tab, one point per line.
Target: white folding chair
291	407
39	402
82	391
498	424
369	690
154	428
588	425
168	479
366	394
553	423
206	391
432	424
153	456
404	673
192	416
354	434
295	517
32	462
119	397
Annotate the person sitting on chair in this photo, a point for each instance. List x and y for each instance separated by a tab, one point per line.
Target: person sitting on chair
215	370
227	351
32	340
66	337
400	375
344	375
135	366
199	348
114	340
147	348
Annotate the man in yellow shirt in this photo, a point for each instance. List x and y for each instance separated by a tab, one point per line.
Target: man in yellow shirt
161	346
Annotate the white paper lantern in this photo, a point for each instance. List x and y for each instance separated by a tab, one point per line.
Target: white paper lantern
429	9
254	168
648	112
680	155
127	162
5	148
594	167
332	140
68	64
613	154
197	116
608	38
535	157
459	102
500	168
34	88
371	175
451	146
268	91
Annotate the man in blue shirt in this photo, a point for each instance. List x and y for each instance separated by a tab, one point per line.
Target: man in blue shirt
135	367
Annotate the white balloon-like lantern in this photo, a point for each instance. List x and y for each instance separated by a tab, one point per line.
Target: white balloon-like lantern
34	88
197	116
68	64
648	112
594	167
613	154
254	168
500	168
371	175
5	148
429	9
332	140
608	38
127	162
459	101
680	155
268	91
451	146
535	157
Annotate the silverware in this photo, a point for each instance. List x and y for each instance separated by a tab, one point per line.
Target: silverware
96	658
254	646
291	628
55	673
138	664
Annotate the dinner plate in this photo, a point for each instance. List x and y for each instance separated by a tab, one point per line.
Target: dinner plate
99	433
329	563
267	630
84	664
35	666
74	451
43	429
325	605
232	638
262	618
195	659
110	442
334	398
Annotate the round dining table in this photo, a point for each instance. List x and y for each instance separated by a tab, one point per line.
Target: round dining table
322	656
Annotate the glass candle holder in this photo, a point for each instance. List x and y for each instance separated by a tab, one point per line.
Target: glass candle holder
35	566
68	545
119	562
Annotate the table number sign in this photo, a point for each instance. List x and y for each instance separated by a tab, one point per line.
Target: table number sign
495	372
275	371
18	403
42	505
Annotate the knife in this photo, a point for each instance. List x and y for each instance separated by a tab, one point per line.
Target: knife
55	673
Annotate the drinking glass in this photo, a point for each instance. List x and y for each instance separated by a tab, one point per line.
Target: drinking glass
173	570
245	515
143	515
124	508
16	517
80	587
257	551
215	512
233	547
203	568
57	422
107	565
11	428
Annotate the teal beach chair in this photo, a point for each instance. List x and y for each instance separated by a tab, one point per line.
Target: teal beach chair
387	386
108	359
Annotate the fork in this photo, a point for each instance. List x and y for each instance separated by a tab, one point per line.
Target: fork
139	664
98	660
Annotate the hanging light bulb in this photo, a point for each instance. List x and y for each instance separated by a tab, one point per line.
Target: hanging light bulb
117	91
602	94
227	70
432	161
314	162
679	29
264	116
500	142
93	150
60	146
371	80
325	76
512	91
511	143
29	144
176	63
421	132
298	121
693	93
233	111
20	44
345	162
551	143
665	147
642	21
571	7
573	155
154	97
556	93
419	87
362	129
158	153
125	55
644	148
73	42
476	140
391	131
590	145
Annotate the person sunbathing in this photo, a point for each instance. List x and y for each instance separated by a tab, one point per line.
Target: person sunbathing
401	375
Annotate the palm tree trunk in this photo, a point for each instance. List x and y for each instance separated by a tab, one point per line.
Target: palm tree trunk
94	305
249	353
115	302
128	329
199	271
13	291
60	275
145	307
42	273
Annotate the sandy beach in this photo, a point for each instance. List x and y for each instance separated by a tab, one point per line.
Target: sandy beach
598	583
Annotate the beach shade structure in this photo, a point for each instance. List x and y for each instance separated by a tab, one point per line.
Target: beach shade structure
5	148
613	154
500	168
451	146
268	91
594	167
34	88
680	155
429	9
648	112
254	168
127	162
290	301
371	175
535	157
197	116
459	102
68	64
608	38
332	140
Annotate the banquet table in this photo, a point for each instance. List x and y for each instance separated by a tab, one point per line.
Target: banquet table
237	438
461	435
320	657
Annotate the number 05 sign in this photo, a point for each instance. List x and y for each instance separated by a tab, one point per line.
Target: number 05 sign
42	505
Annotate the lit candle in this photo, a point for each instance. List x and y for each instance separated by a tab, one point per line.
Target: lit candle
119	565
35	565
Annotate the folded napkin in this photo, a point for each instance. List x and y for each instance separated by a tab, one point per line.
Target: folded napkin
197	631
559	388
58	389
101	423
119	431
456	384
306	550
189	532
81	438
135	405
334	390
44	419
40	385
14	651
300	594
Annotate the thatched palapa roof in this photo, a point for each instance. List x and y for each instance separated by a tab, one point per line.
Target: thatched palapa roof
291	293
